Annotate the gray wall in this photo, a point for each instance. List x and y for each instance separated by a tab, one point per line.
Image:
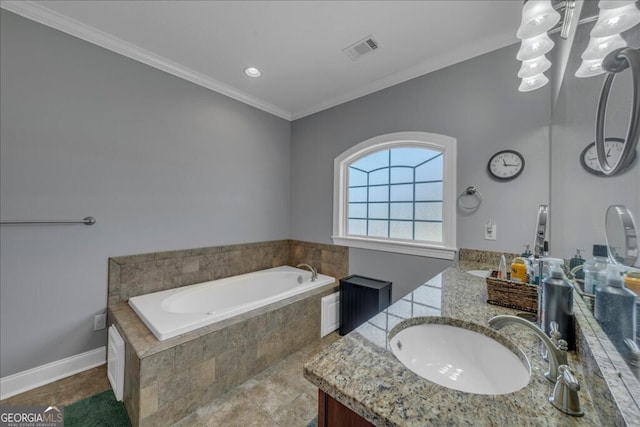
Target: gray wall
161	163
579	200
476	102
405	271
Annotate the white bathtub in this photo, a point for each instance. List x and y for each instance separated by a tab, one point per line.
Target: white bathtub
177	311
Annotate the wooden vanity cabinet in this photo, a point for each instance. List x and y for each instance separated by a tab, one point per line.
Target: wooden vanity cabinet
332	413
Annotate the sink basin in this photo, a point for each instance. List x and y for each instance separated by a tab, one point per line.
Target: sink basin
461	359
479	273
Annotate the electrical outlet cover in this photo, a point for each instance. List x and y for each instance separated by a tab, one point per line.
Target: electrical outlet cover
490	232
99	322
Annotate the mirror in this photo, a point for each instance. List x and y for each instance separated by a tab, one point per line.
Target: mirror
579	198
622	239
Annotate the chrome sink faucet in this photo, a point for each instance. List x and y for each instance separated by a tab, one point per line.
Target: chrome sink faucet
565	394
314	272
557	352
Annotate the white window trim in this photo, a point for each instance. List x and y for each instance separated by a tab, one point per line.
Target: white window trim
443	143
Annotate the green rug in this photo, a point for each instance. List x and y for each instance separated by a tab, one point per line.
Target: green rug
101	409
313	422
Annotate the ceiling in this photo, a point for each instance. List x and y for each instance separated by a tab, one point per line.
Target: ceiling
296	44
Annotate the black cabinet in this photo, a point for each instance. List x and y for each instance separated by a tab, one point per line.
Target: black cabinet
361	298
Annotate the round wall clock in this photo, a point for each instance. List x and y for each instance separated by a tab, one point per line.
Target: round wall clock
505	165
613	148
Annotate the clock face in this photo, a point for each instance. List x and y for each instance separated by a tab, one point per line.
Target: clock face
506	165
612	147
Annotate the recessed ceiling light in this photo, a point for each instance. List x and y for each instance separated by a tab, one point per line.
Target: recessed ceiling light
252	72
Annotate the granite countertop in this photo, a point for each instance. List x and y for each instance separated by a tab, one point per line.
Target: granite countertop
361	372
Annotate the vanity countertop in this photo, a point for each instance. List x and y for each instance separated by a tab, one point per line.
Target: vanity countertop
361	372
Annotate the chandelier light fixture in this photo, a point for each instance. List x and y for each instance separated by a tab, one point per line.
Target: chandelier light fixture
538	17
614	18
541	17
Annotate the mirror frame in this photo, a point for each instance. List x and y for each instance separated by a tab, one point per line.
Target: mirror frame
624	218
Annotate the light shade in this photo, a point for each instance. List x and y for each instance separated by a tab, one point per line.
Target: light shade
616	20
590	68
614	4
533	83
538	16
534	66
599	47
534	47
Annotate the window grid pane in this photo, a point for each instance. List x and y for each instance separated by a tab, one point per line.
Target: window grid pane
429	191
378	228
357	177
399	210
379	177
401	230
402	193
357	210
358	227
401	175
378	210
429	231
431	211
397	198
379	193
358	194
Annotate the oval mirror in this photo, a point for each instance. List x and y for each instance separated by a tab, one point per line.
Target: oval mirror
622	239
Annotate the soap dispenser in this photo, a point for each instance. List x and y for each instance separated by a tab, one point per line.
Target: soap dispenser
615	307
557	305
576	262
592	267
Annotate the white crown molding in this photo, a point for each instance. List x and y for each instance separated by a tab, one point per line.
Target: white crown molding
50	18
45	374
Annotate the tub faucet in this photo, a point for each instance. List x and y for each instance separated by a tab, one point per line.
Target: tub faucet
314	272
557	352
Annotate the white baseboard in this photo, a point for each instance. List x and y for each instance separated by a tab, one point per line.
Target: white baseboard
45	374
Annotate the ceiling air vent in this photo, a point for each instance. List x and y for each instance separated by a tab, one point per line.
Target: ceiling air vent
361	47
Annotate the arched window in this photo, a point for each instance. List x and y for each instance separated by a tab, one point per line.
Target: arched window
396	192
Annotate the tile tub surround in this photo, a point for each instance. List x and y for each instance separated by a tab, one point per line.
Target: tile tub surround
361	372
134	275
167	380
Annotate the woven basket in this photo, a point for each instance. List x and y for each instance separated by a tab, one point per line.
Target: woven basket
507	293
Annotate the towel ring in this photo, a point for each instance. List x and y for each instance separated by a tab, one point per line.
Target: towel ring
470	192
617	61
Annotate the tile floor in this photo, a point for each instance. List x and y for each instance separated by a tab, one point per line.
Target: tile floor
280	396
